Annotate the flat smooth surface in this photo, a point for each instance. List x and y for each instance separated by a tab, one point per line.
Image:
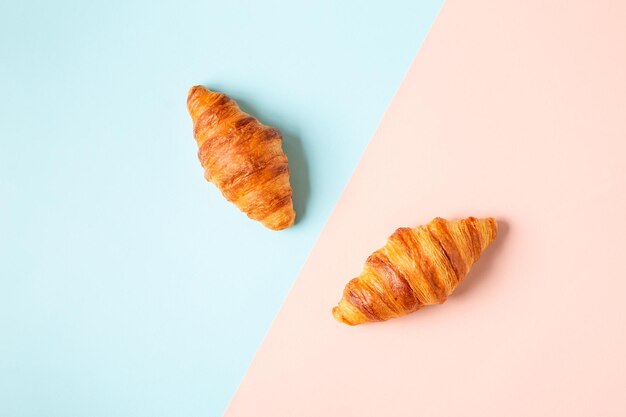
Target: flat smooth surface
128	286
511	109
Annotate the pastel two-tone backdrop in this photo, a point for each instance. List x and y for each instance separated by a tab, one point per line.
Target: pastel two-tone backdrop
129	287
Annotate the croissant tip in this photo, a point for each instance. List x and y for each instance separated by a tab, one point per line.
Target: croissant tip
193	104
282	219
493	224
338	316
194	90
281	226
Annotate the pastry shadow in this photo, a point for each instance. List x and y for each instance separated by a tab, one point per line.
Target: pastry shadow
481	269
298	173
292	146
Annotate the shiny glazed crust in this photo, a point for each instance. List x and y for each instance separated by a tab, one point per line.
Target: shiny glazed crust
417	267
242	157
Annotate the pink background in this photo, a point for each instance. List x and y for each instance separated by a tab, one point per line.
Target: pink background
512	109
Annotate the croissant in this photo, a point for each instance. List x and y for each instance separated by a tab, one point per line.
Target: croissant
417	267
242	157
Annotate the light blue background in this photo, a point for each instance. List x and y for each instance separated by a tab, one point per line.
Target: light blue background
128	286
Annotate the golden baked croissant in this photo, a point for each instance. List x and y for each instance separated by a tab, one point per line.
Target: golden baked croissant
417	267
242	157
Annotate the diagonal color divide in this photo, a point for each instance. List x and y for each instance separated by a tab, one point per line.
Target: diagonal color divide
511	109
